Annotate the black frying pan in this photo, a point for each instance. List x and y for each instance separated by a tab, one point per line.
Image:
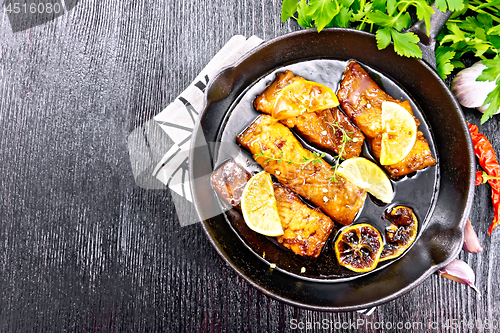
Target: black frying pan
441	238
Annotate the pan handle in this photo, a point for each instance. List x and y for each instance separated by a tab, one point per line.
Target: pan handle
428	42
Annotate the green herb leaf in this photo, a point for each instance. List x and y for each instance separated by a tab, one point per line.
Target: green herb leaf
494	30
453	5
379	5
391	6
345	3
382	19
493	99
359	13
444	56
288	8
402	22
405	44
476	32
441	5
456	35
474	27
495	42
323	12
342	19
470	24
491	73
485	21
492	70
457	64
383	38
304	15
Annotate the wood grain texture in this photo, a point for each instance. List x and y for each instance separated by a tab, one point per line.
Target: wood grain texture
82	248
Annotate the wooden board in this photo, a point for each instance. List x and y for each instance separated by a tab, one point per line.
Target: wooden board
82	248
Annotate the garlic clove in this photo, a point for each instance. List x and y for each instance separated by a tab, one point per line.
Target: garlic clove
461	272
469	92
471	241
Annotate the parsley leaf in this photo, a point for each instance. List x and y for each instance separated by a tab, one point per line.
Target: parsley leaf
342	19
383	38
405	44
391	6
360	11
492	70
323	12
455	35
381	18
304	15
494	30
444	57
453	5
288	8
491	73
495	42
493	99
478	35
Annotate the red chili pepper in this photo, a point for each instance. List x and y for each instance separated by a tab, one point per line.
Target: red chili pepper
488	161
479	178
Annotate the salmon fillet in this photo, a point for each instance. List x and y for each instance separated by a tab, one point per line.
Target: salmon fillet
361	98
323	128
305	230
277	150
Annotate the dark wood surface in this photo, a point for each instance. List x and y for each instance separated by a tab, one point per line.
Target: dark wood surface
82	248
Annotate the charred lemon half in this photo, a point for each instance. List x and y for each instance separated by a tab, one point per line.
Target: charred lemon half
401	233
358	247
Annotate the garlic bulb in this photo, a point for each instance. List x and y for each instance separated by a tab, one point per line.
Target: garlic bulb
469	92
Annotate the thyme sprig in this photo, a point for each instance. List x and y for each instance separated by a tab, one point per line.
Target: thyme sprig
315	158
345	139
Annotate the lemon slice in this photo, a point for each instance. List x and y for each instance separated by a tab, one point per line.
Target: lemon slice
399	133
258	205
367	175
303	96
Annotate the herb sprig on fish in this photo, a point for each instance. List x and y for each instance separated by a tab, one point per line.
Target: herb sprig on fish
314	158
345	139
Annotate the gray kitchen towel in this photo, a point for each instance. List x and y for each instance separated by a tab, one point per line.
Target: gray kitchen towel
179	118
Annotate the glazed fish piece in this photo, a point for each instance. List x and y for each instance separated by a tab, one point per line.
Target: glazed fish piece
229	181
305	229
277	150
361	98
323	128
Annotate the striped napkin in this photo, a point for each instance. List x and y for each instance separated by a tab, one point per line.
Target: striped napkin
159	148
